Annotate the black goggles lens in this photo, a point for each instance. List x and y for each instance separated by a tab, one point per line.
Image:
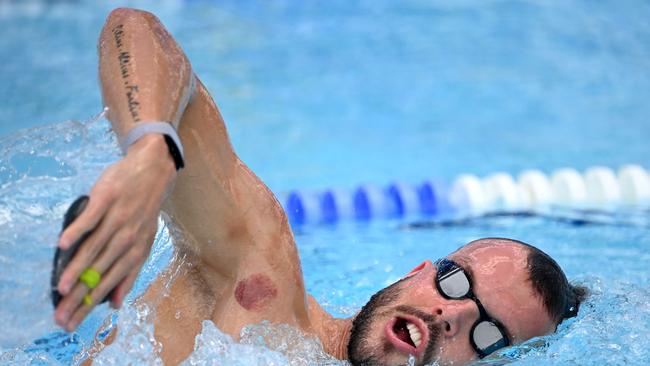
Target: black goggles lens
486	335
453	282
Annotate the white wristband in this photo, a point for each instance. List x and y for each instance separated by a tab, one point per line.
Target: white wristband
164	128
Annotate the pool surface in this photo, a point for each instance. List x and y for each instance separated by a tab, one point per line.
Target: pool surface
335	94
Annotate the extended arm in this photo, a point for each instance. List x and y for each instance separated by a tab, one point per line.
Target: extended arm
227	214
144	77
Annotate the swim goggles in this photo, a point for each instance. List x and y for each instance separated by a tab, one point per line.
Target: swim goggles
487	335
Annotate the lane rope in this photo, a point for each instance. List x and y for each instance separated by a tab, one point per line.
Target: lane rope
532	190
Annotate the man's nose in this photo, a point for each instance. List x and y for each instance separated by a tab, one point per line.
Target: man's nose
456	315
425	267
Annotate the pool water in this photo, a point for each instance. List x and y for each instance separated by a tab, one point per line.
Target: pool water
335	94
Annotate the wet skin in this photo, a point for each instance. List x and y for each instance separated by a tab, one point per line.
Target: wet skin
254	292
500	281
237	261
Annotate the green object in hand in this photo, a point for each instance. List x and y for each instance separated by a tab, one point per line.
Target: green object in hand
90	277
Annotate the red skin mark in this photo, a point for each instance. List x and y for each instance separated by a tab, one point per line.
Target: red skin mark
255	291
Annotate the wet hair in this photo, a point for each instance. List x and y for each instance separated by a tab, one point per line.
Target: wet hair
561	298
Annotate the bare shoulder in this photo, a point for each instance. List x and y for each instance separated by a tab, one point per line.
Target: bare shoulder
230	218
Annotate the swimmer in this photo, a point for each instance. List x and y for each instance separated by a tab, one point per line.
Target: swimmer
488	294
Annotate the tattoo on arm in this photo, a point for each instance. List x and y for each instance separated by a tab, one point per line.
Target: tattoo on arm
124	60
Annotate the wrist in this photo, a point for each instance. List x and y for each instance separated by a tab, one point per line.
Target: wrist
157	127
154	150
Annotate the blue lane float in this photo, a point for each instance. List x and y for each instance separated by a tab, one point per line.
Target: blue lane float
596	187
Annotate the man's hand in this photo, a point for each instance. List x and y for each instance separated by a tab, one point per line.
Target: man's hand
123	214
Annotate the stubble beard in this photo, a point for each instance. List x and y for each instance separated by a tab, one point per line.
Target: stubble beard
360	352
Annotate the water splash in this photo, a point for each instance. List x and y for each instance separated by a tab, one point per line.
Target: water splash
42	170
411	361
610	329
134	343
40	174
260	344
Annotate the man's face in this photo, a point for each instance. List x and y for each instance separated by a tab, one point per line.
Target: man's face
387	329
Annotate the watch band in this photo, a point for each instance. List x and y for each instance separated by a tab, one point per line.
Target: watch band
165	128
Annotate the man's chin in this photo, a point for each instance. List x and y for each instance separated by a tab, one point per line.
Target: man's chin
385	353
389	360
381	360
386	333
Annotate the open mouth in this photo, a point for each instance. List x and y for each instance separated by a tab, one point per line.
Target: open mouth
406	335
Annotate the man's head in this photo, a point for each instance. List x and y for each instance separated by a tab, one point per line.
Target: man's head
520	287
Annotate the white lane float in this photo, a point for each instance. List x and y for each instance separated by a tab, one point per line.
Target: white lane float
535	189
635	184
469	194
568	187
602	186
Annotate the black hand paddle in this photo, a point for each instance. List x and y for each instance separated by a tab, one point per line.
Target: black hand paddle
63	257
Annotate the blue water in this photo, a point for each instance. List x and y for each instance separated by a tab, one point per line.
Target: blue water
335	94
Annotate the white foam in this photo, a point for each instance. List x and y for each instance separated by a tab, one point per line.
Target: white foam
260	344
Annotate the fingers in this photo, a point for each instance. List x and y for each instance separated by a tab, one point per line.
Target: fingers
123	288
69	303
120	216
115	275
72	300
87	253
119	263
92	215
96	208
